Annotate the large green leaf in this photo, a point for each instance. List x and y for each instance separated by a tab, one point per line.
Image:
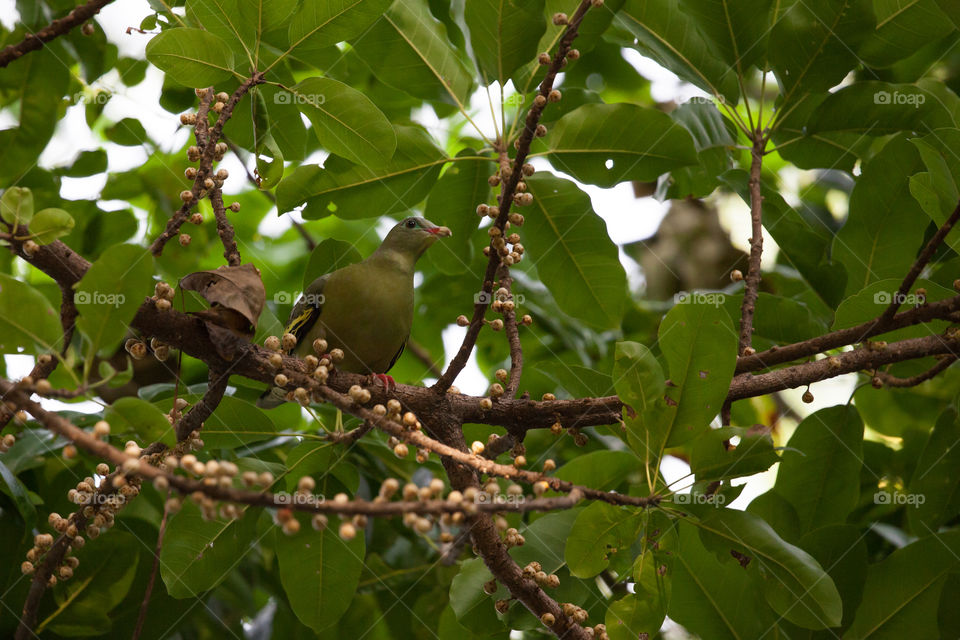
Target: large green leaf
714	599
574	255
672	38
100	583
110	293
935	484
937	189
132	416
20	495
815	43
234	423
468	600
604	144
738	30
637	376
191	57
831	150
27	320
504	35
599	532
408	49
16	205
324	23
199	554
879	109
951	9
603	470
452	203
346	122
795	585
49	224
902	29
885	226
820	469
633	616
319	572
699	344
902	592
711	460
353	191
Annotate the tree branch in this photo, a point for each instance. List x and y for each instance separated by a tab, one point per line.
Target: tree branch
752	281
894	381
225	229
60	26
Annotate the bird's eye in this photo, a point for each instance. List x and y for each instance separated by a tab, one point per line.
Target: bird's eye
411	224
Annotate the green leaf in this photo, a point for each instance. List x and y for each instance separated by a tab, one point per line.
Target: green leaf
885	226
951	9
353	191
638	377
879	109
710	460
815	43
633	616
467	599
49	224
603	470
26	319
936	190
546	538
574	255
935	484
110	293
672	38
135	416
408	49
820	468
841	549
902	29
714	599
902	592
699	344
737	30
16	205
198	554
832	150
129	132
191	57
87	163
795	585
604	144
324	23
100	583
346	122
458	191
21	497
870	302
319	571
234	423
504	35
328	256
601	530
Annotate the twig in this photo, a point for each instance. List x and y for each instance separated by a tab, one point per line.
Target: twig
60	26
752	281
204	408
506	197
420	353
224	229
894	381
153	575
917	268
513	338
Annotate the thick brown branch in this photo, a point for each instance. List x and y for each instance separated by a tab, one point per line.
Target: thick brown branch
940	310
752	281
55	29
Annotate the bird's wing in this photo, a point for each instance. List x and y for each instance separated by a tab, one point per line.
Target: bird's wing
306	312
396	356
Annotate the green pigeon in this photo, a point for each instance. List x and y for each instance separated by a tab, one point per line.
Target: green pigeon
364	309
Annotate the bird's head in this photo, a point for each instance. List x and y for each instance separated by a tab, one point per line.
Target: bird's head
413	236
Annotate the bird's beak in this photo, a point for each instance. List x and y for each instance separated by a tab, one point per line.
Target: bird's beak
442	232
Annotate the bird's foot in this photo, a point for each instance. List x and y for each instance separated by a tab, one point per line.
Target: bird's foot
388	382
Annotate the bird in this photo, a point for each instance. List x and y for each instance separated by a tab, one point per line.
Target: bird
365	309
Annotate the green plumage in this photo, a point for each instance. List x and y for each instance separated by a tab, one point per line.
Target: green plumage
366	308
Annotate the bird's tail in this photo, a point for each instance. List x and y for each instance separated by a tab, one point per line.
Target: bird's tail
272	397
